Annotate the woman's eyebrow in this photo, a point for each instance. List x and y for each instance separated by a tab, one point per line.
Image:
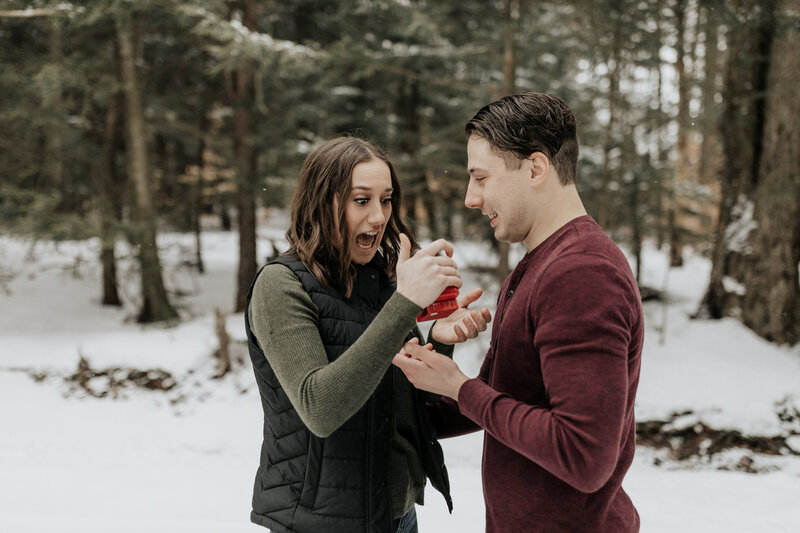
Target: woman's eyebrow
364	188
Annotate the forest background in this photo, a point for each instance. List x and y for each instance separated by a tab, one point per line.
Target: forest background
127	123
123	118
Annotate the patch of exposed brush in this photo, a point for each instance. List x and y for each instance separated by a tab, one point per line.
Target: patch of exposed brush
109	382
684	437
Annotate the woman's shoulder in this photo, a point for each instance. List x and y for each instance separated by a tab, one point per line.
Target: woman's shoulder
277	278
278	288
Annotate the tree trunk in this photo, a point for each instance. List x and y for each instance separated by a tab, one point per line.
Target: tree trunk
155	305
53	109
246	164
614	68
772	298
197	189
632	161
675	210
662	154
709	153
510	14
741	129
108	196
683	88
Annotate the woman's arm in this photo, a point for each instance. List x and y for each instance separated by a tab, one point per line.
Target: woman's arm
325	394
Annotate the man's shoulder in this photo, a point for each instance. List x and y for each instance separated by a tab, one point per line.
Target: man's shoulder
585	257
585	245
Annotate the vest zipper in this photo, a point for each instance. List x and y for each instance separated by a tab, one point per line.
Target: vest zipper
368	491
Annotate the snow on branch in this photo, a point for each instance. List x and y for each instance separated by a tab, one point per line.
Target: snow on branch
31	12
230	39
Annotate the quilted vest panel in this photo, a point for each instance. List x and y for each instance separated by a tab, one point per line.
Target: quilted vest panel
307	484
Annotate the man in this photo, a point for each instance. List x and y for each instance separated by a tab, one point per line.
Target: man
556	390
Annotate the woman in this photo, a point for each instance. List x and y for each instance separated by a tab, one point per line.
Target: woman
347	442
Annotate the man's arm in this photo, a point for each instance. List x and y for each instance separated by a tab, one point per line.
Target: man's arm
582	329
448	419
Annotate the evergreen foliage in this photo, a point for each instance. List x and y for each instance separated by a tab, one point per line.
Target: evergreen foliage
645	78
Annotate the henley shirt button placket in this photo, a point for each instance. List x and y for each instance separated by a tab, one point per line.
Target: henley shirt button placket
509	293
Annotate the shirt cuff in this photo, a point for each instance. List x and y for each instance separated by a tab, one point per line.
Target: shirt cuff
473	397
404	305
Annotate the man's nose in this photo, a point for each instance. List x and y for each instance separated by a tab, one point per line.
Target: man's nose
472	200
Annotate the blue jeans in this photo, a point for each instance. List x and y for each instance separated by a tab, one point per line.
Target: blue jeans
406	523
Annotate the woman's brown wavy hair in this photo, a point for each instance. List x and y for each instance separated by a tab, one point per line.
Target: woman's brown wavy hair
325	181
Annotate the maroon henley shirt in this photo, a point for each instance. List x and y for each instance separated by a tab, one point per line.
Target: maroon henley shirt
556	390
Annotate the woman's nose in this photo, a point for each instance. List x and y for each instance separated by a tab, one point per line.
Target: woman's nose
377	216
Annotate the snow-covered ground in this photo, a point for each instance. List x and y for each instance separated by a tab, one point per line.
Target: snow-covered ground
184	460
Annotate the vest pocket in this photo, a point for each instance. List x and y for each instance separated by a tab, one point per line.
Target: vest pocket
313	468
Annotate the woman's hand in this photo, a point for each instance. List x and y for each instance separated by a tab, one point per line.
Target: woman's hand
422	277
429	370
463	323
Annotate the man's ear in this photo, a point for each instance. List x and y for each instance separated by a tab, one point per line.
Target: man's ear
540	168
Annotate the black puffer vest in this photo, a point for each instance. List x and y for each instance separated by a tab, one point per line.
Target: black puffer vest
338	484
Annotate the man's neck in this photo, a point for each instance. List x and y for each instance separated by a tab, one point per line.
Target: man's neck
566	206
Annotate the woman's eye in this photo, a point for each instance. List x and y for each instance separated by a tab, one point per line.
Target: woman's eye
362	201
387	201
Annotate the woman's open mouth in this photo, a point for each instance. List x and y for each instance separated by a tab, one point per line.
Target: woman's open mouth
366	241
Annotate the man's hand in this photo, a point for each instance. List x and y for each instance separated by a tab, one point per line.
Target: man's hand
429	370
463	323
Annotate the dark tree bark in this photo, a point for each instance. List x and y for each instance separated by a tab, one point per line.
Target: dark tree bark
53	108
609	141
155	304
741	130
709	154
246	158
662	154
510	15
197	192
108	195
772	298
683	163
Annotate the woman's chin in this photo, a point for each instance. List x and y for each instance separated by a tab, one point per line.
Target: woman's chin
362	256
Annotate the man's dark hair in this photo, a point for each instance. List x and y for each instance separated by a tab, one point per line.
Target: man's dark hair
518	125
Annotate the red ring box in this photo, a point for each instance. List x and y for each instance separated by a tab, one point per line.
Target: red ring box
444	306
